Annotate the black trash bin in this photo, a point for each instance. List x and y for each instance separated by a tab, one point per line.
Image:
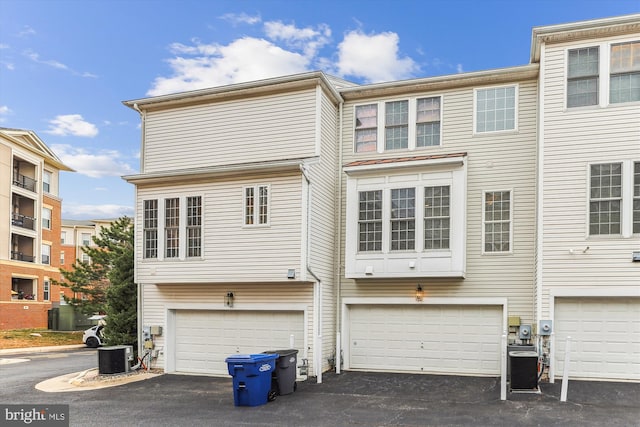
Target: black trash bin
284	376
524	370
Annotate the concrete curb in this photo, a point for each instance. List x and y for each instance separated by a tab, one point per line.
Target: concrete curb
27	350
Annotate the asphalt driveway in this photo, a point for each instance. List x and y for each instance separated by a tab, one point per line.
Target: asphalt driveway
353	399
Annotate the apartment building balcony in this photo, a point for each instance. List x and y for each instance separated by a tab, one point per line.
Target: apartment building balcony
23	221
22	248
24	175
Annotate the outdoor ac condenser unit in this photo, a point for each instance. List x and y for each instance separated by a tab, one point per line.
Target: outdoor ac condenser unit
115	359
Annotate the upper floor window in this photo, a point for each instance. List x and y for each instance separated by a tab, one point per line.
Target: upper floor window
194	226
370	221
408	124
63	237
582	76
150	229
405	222
605	198
403	219
62	258
396	125
46	254
46	181
172	227
256	205
495	109
436	217
86	239
86	258
428	122
625	72
46	290
497	221
46	218
636	197
366	135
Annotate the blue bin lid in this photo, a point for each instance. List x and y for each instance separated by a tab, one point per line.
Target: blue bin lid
249	358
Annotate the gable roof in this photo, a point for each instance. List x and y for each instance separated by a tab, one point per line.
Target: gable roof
28	140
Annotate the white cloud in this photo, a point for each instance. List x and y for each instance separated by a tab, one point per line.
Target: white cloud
308	40
4	111
95	165
72	124
27	31
244	59
4	46
459	68
71	210
35	57
373	57
241	18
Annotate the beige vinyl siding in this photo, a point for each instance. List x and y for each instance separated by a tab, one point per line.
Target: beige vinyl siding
573	139
5	200
496	161
231	251
156	299
323	177
279	126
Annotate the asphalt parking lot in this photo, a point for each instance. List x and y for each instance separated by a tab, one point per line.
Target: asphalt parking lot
354	399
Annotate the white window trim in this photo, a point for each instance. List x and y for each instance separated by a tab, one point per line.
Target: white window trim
46	289
407	263
50	219
626	205
511	221
256	210
604	76
516	114
183	224
412	123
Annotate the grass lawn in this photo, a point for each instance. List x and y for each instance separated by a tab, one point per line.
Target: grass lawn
21	338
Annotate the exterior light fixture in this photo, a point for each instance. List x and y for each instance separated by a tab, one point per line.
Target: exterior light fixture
228	299
291	273
419	293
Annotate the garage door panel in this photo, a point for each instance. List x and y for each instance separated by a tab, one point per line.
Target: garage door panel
605	337
440	339
204	339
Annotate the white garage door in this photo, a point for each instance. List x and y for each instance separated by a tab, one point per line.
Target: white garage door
605	337
204	339
451	339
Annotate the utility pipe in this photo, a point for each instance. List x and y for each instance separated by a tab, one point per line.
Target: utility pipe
565	373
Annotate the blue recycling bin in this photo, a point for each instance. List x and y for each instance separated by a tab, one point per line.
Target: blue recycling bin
251	378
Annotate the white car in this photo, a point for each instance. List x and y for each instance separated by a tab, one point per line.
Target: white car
92	337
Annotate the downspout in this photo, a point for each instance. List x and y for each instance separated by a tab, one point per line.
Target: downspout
338	357
140	302
540	210
317	292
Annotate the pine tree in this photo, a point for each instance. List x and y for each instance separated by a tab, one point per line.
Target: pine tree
105	285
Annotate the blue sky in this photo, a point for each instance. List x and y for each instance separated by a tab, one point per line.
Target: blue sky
66	66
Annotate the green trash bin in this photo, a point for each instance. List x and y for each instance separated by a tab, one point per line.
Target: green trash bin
284	375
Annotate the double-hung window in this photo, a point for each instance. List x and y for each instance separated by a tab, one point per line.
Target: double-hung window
256	205
194	226
172	227
396	125
583	76
605	199
497	221
366	132
150	229
46	254
495	109
46	218
46	290
46	181
370	221
428	122
436	217
403	219
407	124
624	71
636	197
